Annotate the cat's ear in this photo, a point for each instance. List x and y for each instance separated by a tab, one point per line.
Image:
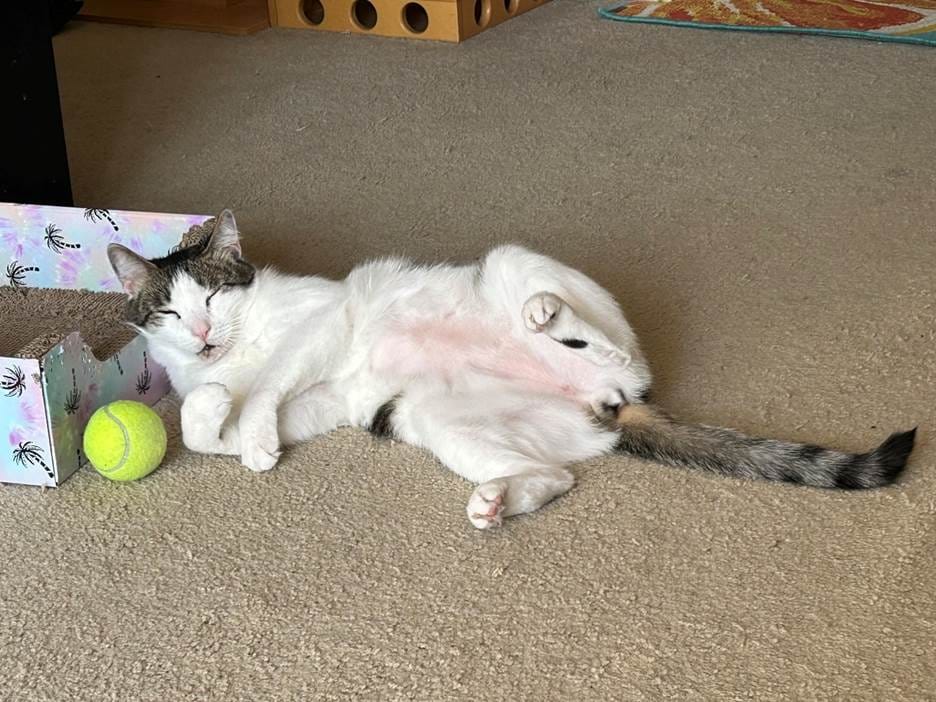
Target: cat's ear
224	238
132	269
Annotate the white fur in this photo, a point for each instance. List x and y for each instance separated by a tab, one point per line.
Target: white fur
471	352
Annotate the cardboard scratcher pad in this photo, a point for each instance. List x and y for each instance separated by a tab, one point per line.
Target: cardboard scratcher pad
35	319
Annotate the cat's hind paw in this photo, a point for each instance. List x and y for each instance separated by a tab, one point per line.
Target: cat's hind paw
486	504
607	403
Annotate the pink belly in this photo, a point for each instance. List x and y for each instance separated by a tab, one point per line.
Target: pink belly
449	348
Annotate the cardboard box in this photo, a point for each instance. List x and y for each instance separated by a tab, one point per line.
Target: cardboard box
49	391
440	20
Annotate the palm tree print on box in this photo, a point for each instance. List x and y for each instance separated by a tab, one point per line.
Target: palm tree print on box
16	274
144	379
55	241
13	381
73	400
96	215
29	454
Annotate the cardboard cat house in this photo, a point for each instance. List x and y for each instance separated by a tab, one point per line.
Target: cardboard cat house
442	20
64	350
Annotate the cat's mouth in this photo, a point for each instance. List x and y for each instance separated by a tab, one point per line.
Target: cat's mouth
210	352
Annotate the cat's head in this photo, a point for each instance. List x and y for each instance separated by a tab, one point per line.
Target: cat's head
192	300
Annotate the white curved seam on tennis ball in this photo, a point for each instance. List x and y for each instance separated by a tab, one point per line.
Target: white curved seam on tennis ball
126	436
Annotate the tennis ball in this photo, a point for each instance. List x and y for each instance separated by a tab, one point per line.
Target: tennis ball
125	440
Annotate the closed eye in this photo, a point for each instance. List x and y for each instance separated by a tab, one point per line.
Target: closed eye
149	314
216	291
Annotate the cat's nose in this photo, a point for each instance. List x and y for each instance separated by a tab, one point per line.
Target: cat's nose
202	330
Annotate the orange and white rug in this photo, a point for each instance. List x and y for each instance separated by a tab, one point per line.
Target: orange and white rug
884	20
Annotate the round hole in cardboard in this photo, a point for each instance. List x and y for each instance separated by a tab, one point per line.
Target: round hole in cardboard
312	11
482	12
364	14
511	6
415	17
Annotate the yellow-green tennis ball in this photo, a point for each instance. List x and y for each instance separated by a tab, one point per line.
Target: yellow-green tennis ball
125	440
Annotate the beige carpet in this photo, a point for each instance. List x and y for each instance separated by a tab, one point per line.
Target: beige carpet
763	206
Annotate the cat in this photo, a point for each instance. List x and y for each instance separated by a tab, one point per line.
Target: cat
509	370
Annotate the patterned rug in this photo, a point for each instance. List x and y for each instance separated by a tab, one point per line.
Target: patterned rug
912	22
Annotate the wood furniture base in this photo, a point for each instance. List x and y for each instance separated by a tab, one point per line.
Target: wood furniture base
225	16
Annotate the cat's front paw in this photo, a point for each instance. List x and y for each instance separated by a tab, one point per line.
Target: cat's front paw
487	503
260	446
203	413
540	311
259	457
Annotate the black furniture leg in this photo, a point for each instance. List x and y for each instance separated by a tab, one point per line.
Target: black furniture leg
33	160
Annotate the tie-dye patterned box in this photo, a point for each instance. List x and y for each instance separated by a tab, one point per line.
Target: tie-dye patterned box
46	401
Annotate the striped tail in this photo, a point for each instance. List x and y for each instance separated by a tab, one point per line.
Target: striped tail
648	433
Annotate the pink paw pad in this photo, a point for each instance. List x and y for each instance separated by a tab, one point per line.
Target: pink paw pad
494	509
484	512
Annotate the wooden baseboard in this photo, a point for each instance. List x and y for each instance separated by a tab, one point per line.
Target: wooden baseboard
245	17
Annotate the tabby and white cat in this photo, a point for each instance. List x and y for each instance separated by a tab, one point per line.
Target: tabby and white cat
509	371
